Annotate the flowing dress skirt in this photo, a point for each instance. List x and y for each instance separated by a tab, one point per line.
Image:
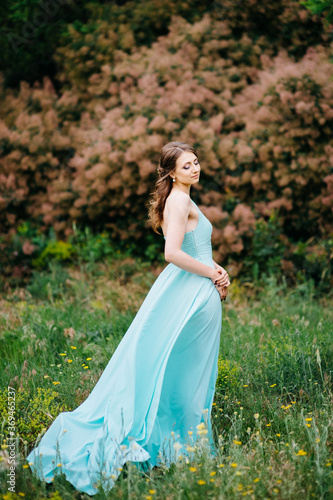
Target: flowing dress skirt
158	385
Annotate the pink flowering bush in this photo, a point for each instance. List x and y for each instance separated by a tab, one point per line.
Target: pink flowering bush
282	157
261	124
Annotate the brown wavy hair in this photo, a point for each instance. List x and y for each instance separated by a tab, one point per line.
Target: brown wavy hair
167	164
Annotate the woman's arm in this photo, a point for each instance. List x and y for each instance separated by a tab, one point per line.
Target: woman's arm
184	261
179	209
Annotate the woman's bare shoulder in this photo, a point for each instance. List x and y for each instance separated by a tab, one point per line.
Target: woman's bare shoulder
179	199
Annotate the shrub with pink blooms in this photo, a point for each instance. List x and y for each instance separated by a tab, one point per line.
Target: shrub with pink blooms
259	119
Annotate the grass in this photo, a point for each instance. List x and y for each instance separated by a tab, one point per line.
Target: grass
273	409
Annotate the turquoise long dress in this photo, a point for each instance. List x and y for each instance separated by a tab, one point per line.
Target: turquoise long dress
158	385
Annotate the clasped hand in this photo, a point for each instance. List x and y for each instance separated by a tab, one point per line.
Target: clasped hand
221	281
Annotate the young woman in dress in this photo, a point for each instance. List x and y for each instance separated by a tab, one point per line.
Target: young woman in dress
158	387
179	169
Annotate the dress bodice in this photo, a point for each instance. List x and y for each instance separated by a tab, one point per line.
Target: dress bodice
197	242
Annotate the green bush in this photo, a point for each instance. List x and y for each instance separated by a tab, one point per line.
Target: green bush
90	247
30	34
266	250
229	374
32	415
314	261
55	250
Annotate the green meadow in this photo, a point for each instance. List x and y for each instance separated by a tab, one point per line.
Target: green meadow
272	414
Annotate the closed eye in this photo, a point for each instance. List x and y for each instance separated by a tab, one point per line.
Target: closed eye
187	167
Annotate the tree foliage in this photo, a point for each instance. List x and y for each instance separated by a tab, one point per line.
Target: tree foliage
320	7
259	114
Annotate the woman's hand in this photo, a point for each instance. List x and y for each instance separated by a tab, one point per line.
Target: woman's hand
223	277
223	291
221	281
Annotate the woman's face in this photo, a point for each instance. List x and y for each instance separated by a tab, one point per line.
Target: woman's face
187	169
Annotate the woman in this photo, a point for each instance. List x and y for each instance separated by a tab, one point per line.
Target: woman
179	163
159	384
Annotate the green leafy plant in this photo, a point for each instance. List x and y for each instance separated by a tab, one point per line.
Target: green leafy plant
229	374
266	248
61	251
320	7
90	247
32	414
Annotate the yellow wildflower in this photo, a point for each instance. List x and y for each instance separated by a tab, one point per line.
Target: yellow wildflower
233	464
213	473
72	347
193	469
202	431
308	419
190	448
256	479
301	453
69	360
201	481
